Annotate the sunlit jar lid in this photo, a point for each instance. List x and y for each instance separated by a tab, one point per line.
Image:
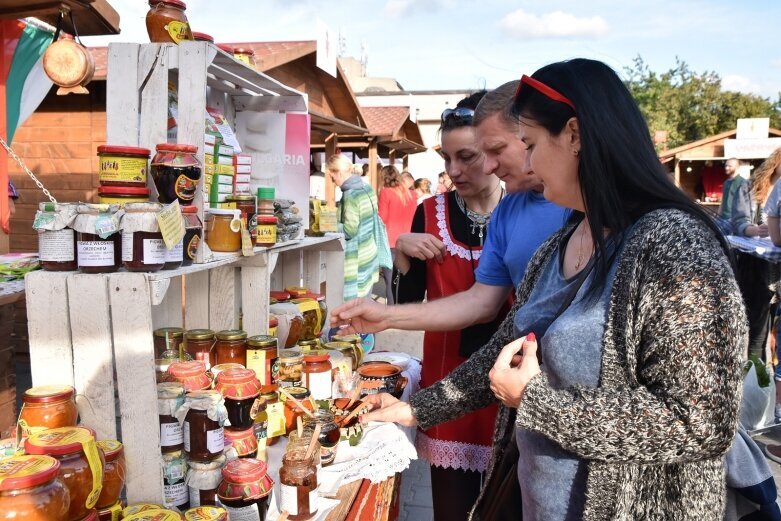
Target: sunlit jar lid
280	296
246	479
290	356
238	384
297	291
190	374
262	341
232	334
206	513
60	441
27	471
199	334
318	355
139	507
217	369
112	449
48	393
158	514
202	37
170	332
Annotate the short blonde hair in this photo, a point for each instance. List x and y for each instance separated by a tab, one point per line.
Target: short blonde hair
338	163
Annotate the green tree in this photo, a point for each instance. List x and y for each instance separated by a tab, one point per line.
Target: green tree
689	105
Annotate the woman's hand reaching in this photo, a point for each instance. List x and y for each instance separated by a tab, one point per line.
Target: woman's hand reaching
386	408
512	372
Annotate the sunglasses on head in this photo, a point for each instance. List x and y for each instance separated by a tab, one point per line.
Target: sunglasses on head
545	90
458	114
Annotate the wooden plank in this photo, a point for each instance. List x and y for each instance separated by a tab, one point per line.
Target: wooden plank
131	320
334	291
290	264
169	312
51	355
346	496
93	357
197	300
153	79
222	298
255	286
122	107
311	272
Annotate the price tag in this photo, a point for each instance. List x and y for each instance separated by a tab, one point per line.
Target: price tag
247	248
171	224
105	225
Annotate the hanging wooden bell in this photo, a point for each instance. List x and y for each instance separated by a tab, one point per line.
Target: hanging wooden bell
68	63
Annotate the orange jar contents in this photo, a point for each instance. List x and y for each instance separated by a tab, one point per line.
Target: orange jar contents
113	473
30	489
246	204
167	338
240	388
167	23
298	485
48	407
56	238
231	347
81	464
318	377
204	415
98	241
199	343
123	194
245	488
293	411
223	230
266	231
123	166
192	375
262	357
270	420
143	248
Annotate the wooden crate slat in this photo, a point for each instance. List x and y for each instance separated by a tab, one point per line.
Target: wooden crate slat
197	295
278	103
255	287
334	288
222	298
122	108
168	313
153	72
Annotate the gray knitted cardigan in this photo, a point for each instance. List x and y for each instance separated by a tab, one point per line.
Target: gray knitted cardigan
654	432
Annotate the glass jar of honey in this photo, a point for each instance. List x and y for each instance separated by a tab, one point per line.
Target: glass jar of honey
223	230
166	22
247	205
31	490
231	347
298	485
199	344
47	407
113	473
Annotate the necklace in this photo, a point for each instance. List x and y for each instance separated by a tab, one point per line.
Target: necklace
580	251
479	220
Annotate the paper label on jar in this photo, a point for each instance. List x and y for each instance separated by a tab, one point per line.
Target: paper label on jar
56	245
186	435
127	246
276	419
266	233
319	384
154	251
288	499
249	513
256	360
178	30
175	495
195	497
215	440
171	434
95	253
175	254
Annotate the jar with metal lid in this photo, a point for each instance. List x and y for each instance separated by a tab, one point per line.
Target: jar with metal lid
123	194
207	513
114	473
247	205
30	489
81	464
199	343
309	345
167	23
157	514
47	407
266	231
313	317
223	230
317	374
176	172
203	415
123	166
166	338
262	357
298	485
329	434
192	375
356	341
270	420
245	489
347	349
231	347
245	55
167	358
143	248
203	478
291	367
244	441
56	238
170	396
175	492
293	411
98	243
193	232
240	388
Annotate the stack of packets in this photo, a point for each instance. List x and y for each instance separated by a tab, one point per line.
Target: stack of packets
226	170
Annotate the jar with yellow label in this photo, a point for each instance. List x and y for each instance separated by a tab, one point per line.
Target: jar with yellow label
193	234
207	513
247	205
122	166
31	490
48	407
291	367
266	231
245	55
167	23
262	357
313	316
223	230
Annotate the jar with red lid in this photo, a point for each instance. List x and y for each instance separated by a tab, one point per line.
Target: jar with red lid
263	358
202	37
298	485
318	377
203	415
193	234
81	464
113	473
192	375
206	513
170	396
266	231
56	238
297	291
199	343
98	241
245	55
245	488
231	347
240	388
123	166
176	172
166	22
112	513
143	248
293	411
247	205
31	490
203	478
243	441
48	407
123	194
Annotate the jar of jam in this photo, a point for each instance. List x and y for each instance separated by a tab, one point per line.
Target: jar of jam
262	357
357	343
244	441
223	230
317	374
157	514
113	473
192	375
175	256
167	23
245	488
208	513
193	233
166	338
266	231
98	241
112	513
170	396
293	411
47	407
56	238
320	299
313	316
122	166
240	388
329	434
121	195
202	37
175	492
167	358
203	478
204	415
176	172
219	368
290	323
143	248
348	350
298	485
81	464
231	347
291	368
31	490
270	420
246	204
245	55
199	343
294	443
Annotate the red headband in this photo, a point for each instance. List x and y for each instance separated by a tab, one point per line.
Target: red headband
544	89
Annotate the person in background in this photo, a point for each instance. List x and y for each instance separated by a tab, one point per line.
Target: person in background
316	183
397	207
445	183
407	180
365	174
422	189
734	183
13	196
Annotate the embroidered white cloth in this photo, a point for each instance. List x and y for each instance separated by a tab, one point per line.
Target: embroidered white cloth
447	240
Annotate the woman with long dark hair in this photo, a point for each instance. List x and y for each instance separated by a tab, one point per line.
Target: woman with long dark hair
637	315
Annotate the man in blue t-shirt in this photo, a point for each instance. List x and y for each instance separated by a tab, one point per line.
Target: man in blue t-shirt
519	225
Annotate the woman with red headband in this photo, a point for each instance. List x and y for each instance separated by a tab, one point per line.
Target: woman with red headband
634	313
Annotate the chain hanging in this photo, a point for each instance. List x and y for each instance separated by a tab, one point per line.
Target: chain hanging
26	170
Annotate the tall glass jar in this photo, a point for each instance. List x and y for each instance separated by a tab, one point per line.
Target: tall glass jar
167	23
231	347
176	172
193	234
199	343
170	396
245	488
203	415
298	485
318	377
98	241
240	388
56	238
113	473
31	490
143	248
166	338
47	407
175	492
291	368
203	478
262	358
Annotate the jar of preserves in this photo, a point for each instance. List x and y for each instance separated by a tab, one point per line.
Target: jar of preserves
170	396
349	350
143	248
113	473
164	362
266	231
219	368
157	514
30	489
123	166
98	241
240	388
81	464
291	368
223	230
309	345
112	513
192	375
262	357
56	238
245	488
175	256
203	414
298	485
199	343
202	37
208	513
243	441
317	374
176	172
120	195
231	347
203	478
175	492
290	323
167	23
293	411
193	233
270	420
245	55
320	299
47	407
166	338
247	206
294	443
329	434
313	317
357	343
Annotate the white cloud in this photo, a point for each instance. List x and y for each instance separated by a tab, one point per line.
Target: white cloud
735	82
399	8
557	24
776	63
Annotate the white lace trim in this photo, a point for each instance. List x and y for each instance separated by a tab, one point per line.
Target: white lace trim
453	454
444	233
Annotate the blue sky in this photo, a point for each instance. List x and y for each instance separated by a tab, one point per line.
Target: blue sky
469	44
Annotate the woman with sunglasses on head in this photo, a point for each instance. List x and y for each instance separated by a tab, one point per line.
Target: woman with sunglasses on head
640	323
454	223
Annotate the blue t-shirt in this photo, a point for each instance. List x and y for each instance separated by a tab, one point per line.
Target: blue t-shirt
519	225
